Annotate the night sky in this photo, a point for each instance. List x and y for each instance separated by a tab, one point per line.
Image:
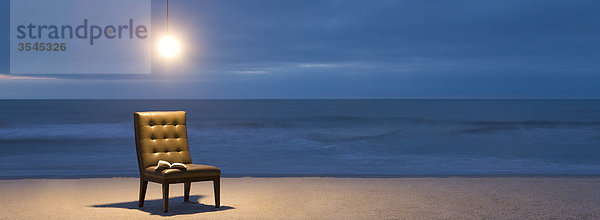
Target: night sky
353	49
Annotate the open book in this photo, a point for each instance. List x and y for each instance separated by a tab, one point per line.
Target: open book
166	165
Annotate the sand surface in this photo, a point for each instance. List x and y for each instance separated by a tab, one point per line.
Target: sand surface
309	198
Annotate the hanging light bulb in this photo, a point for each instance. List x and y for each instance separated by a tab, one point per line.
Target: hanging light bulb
168	46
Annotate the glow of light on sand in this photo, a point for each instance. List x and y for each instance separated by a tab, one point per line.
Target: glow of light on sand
168	46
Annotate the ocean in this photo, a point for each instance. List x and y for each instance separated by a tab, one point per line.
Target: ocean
381	137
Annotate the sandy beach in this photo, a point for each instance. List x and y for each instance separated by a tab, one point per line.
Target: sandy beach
309	198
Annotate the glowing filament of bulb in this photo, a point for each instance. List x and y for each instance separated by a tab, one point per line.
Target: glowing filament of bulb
168	46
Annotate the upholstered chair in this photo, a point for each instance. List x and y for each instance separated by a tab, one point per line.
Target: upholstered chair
163	136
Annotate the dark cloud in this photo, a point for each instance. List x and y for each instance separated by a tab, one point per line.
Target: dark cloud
336	31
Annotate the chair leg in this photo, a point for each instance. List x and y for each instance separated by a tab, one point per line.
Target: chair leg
165	190
143	187
217	188
186	191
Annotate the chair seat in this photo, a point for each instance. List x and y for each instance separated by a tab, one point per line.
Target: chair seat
193	170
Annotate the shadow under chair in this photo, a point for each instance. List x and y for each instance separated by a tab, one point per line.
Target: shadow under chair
163	136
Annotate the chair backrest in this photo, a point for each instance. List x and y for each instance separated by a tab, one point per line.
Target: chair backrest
161	136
